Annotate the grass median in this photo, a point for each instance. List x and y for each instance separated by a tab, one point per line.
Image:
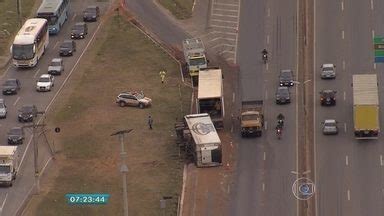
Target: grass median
120	59
181	9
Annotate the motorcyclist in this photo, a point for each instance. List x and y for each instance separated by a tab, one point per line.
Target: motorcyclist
265	54
278	131
280	120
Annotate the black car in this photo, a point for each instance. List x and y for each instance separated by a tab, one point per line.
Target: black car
11	86
67	48
27	113
79	30
283	95
16	136
286	78
91	13
328	97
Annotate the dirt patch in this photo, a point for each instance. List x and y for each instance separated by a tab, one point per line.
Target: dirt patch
88	161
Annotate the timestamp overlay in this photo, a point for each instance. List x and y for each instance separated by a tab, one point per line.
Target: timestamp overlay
87	199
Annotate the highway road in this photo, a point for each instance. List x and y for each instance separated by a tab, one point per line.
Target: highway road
264	176
12	198
349	173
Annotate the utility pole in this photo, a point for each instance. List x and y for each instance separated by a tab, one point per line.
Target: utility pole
124	167
18	9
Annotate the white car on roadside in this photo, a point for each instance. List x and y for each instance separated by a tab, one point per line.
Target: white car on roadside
45	83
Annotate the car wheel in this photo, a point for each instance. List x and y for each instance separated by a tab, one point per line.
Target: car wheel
141	106
122	104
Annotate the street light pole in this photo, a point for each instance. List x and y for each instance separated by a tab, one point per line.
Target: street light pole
123	167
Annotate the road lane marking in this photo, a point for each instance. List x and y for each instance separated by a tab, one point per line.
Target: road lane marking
346	160
57	43
267	39
264	156
237	35
371	4
265	125
74	16
227	4
17	99
314	105
263	186
266	66
233	97
214	14
37	71
25	152
343	65
381	160
268	12
5	199
349	195
345	127
342	34
374	66
342	6
224	21
227	27
345	95
373	33
46	164
225	10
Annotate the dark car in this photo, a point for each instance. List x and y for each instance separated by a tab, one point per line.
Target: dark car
328	97
283	95
16	136
286	78
27	113
11	86
79	30
91	13
67	48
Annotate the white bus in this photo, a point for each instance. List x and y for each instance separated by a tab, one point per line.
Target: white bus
30	43
56	12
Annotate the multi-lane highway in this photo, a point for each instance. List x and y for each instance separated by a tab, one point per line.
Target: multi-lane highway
12	198
349	173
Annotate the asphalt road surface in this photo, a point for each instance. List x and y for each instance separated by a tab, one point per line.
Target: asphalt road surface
349	173
12	198
264	176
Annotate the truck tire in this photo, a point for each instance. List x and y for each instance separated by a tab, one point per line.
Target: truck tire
122	104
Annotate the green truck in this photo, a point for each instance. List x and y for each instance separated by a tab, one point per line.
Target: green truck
366	106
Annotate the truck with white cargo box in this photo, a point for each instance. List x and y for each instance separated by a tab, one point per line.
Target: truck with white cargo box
365	106
194	54
252	118
9	164
200	136
210	98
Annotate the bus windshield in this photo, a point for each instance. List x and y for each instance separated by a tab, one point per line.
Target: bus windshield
197	61
5	169
22	52
50	18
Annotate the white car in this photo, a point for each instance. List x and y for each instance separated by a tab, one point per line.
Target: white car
328	71
45	83
330	127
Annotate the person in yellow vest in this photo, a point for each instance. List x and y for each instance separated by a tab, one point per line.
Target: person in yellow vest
162	75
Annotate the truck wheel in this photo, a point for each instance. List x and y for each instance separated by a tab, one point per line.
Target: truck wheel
122	104
141	106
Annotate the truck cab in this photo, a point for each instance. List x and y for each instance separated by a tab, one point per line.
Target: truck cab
251	118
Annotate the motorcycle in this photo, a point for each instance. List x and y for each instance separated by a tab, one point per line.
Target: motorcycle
278	132
265	58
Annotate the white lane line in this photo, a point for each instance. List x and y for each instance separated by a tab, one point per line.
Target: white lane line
268	12
345	127
342	34
371	4
237	35
57	43
17	100
373	33
346	160
217	3
314	103
342	6
37	71
374	66
25	152
266	66
381	160
233	97
226	10
6	71
224	21
74	16
263	186
227	27
349	195
267	39
46	164
264	156
345	95
214	14
343	65
265	125
5	199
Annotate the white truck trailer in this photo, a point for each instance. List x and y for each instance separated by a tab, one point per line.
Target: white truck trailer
206	144
9	164
210	98
365	106
194	54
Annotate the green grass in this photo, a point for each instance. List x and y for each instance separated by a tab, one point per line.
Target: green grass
9	24
120	59
181	9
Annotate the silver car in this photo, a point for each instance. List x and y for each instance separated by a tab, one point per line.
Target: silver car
328	71
330	127
56	67
3	109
